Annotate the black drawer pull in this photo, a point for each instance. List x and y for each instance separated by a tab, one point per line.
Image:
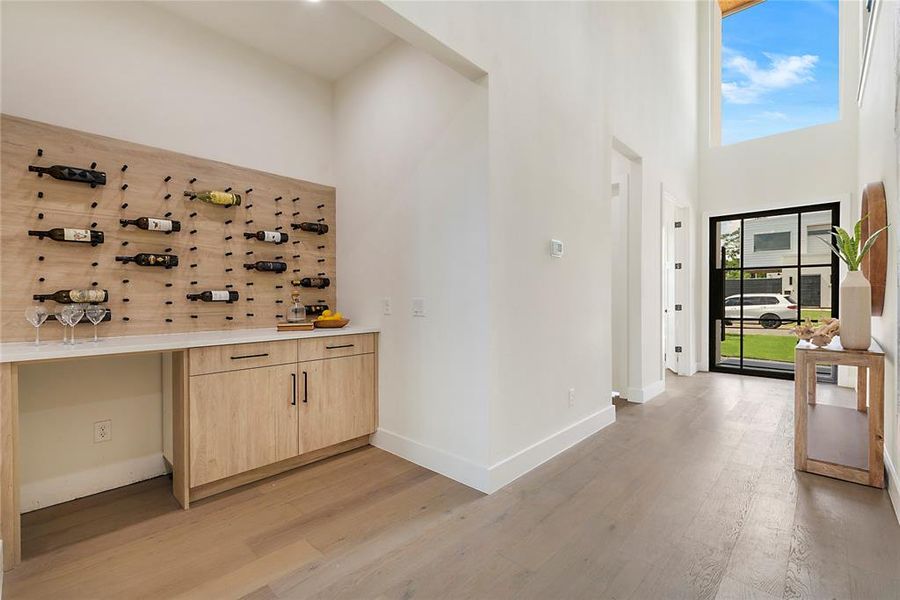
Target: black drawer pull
341	346
250	356
293	389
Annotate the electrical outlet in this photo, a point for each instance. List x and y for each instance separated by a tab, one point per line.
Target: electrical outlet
102	431
571	397
386	306
418	307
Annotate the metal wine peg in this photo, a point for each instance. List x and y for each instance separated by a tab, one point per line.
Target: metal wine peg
94	165
94	284
125	319
228	222
278	287
248	190
40	152
248	222
296	242
192	180
94	224
229	270
320	247
41	258
94	264
124	168
294	214
249	206
279	302
40	194
228	254
278	213
41	279
295	271
321	260
124	186
278	198
227	237
168	320
193	283
296	256
320	220
168	250
279	228
125	280
295	199
229	285
125	243
168	302
192	231
126	299
93	205
321	206
248	252
229	318
321	274
249	283
169	284
167	196
226	190
168	178
194	265
249	314
192	215
40	215
194	317
192	249
167	215
124	206
279	257
250	299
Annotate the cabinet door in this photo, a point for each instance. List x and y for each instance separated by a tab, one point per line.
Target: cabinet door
337	400
241	420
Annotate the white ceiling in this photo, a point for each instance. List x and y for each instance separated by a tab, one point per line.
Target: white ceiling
326	39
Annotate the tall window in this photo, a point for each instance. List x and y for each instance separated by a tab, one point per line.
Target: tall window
779	68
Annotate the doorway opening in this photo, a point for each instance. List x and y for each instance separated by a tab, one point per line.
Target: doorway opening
769	271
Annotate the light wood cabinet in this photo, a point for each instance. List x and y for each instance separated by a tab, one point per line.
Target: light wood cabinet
337	400
241	420
256	409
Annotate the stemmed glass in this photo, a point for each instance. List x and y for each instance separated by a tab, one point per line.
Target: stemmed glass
61	315
95	314
75	313
36	315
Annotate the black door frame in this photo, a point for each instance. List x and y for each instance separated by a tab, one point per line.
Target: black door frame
717	296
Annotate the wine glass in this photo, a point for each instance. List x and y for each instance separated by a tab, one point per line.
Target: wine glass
61	317
95	314
36	315
76	312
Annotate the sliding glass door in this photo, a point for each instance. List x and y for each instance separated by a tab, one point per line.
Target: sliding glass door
768	271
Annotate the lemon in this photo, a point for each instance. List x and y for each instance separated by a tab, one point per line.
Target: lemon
327	313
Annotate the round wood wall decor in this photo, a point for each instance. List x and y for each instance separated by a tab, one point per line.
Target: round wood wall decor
874	265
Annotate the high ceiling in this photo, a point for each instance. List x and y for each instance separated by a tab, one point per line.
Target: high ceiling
729	7
325	39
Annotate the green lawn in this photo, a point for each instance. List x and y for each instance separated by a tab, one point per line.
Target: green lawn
815	314
764	347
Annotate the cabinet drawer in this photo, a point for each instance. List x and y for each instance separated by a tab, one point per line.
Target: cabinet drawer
339	345
216	359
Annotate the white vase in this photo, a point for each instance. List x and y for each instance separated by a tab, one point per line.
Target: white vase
856	311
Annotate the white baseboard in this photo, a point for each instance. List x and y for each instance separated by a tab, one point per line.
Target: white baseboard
450	465
490	479
646	393
55	490
509	469
893	484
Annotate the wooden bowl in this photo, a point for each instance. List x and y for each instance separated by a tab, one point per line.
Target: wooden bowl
331	324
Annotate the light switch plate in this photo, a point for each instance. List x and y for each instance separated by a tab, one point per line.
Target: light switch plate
556	248
418	307
386	306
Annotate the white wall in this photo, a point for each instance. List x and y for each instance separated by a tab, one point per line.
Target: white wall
879	155
411	160
564	77
138	73
802	167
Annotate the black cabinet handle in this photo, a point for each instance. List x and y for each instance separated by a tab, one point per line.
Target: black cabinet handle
341	346
305	388
293	389
250	356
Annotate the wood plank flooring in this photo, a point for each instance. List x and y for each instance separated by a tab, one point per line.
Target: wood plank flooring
692	495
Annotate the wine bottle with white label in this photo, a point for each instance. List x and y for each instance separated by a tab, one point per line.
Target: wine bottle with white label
313	282
75	296
270	266
67	234
63	173
320	228
274	237
151	224
215	296
217	198
146	259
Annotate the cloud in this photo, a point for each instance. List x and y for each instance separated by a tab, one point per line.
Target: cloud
750	82
773	115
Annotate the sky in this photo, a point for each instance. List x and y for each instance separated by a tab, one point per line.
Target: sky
779	68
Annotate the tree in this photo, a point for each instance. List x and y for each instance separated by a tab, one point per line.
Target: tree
731	242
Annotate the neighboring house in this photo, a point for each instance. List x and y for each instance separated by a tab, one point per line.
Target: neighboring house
771	250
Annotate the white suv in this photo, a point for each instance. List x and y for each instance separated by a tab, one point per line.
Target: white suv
769	309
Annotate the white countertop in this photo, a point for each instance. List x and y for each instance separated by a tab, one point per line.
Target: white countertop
21	352
835	346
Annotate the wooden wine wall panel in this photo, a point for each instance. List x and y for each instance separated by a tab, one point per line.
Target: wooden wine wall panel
210	246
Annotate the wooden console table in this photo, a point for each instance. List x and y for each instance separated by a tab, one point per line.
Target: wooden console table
847	443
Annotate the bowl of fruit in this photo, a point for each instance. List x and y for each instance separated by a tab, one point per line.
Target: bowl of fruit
331	320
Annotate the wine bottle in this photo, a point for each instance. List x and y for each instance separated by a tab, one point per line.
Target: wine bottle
151	224
217	198
275	237
215	296
66	234
146	259
267	265
320	228
313	282
75	296
315	309
64	173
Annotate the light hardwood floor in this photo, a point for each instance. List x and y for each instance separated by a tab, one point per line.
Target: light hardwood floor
690	496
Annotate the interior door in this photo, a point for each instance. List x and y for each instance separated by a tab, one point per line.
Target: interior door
241	420
337	400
